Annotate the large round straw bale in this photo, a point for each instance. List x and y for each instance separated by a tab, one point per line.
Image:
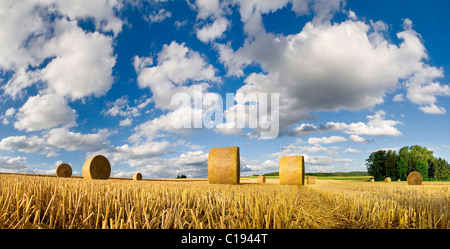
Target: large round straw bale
97	167
292	170
224	165
261	179
414	178
64	170
137	177
372	180
387	179
311	180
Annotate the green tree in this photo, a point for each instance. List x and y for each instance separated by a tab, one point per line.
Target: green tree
402	167
404	153
375	165
390	164
422	168
442	170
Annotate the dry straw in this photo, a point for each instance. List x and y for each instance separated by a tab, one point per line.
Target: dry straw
292	170
137	177
64	170
372	180
261	179
387	179
224	165
97	167
414	178
311	180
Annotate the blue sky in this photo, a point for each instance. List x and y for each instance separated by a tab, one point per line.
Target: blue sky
81	78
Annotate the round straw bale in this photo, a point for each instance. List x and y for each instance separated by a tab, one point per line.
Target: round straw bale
372	180
64	170
261	179
387	179
292	170
310	179
137	177
97	167
224	165
414	178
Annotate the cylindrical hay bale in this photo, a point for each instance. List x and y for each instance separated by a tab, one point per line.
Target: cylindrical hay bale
292	170
372	180
311	180
97	167
137	177
387	179
261	179
64	170
224	165
414	178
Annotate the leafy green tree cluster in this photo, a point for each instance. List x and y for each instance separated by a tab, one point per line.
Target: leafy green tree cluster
398	165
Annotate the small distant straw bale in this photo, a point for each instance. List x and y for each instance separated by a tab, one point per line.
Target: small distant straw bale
97	167
224	165
64	170
261	179
311	180
292	170
387	179
372	180
414	178
137	177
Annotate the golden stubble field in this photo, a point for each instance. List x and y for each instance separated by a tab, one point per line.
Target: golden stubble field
75	203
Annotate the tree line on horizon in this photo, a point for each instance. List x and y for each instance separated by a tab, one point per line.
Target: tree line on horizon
398	165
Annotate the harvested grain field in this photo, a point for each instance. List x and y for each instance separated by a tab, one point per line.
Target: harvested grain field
75	203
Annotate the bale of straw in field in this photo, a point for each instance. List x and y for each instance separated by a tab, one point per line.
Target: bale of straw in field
224	165
311	180
137	176
292	170
372	180
64	170
414	178
261	179
97	167
387	179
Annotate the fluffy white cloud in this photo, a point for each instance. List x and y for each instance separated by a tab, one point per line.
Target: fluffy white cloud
59	138
102	12
192	164
56	55
211	32
376	126
138	154
74	141
83	62
351	150
123	108
13	163
159	16
176	66
422	89
361	140
326	140
22	143
43	112
350	65
8	115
